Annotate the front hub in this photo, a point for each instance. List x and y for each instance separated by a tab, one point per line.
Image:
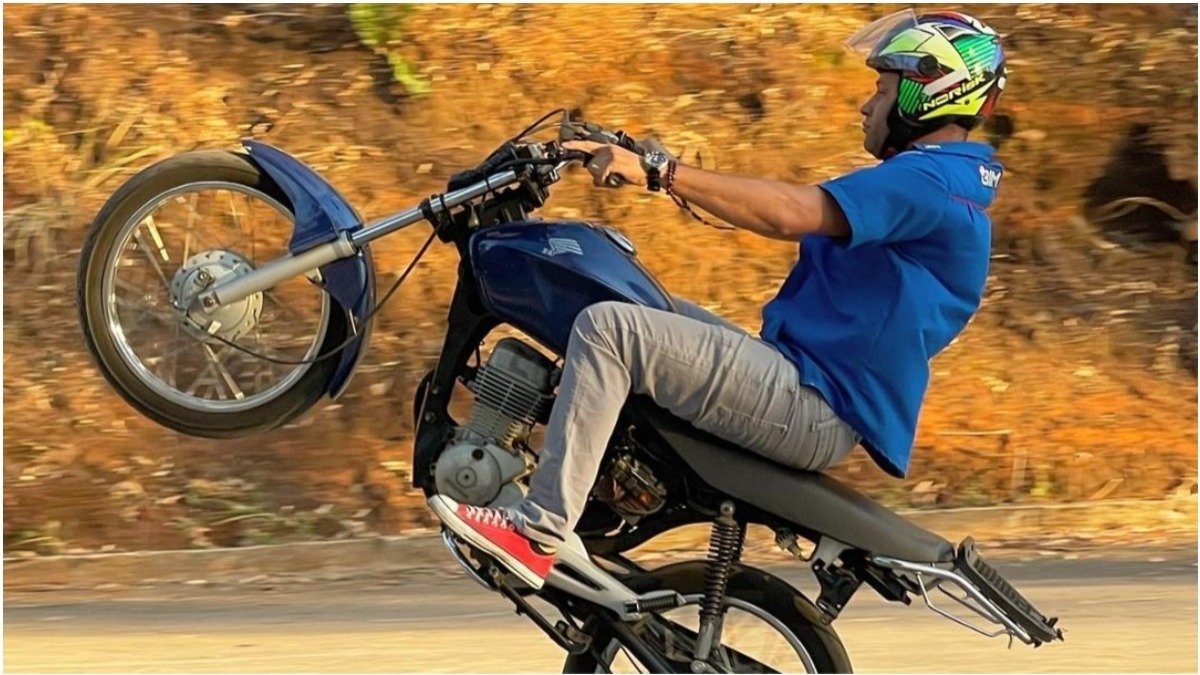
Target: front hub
200	273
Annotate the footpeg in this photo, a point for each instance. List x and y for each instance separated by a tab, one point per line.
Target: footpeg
972	566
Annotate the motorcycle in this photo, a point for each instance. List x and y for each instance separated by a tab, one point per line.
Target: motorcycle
199	336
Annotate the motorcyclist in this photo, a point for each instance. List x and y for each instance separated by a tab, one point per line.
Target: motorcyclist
892	267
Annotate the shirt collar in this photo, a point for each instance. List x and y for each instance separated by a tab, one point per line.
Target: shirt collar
965	148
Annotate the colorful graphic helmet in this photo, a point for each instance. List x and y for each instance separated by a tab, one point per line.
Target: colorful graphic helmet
951	68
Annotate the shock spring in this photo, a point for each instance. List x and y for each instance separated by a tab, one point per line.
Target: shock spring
724	551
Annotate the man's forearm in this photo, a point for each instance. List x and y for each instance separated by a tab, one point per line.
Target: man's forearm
767	207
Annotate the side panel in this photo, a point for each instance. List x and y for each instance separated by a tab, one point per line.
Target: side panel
539	276
321	214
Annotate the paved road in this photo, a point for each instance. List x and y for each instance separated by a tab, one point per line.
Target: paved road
1135	614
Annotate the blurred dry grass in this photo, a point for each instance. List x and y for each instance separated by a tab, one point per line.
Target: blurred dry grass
1076	381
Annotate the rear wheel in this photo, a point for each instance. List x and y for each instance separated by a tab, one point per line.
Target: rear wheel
769	627
170	232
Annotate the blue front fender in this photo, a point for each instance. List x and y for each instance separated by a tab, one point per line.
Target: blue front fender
322	213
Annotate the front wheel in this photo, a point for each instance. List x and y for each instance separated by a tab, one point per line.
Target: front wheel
769	627
168	234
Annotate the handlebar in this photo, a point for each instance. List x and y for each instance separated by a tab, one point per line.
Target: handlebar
506	166
433	207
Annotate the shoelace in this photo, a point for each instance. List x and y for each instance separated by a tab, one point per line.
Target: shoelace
493	517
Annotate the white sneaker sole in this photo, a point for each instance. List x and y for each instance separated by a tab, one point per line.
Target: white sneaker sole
462	530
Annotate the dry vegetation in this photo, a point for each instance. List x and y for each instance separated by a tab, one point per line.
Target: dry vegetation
1075	382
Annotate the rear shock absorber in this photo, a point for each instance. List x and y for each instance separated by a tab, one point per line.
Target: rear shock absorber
724	551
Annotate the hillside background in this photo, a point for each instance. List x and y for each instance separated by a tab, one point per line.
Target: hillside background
1077	380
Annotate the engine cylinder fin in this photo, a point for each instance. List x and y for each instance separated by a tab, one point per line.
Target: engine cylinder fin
505	407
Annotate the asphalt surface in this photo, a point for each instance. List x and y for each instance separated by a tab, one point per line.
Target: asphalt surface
1136	612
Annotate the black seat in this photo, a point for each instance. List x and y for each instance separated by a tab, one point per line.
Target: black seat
811	501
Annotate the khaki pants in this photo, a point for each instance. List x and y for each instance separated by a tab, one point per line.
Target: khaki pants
697	365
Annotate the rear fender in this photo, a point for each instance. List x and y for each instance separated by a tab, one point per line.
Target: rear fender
321	215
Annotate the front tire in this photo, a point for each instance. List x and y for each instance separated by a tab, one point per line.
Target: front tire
746	584
137	385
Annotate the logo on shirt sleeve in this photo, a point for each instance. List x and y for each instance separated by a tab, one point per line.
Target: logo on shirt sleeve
989	177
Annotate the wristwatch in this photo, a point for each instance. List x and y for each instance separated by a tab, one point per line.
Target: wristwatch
654	163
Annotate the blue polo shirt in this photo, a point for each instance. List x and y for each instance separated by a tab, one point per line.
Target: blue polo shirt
862	316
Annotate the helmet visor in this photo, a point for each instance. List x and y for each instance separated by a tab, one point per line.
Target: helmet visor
878	32
877	35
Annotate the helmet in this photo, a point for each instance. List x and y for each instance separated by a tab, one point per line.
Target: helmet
951	70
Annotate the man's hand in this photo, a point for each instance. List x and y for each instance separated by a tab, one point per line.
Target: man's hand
608	160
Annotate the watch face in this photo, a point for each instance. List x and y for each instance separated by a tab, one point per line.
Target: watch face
656	159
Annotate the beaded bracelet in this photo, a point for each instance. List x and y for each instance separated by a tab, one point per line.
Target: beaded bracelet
669	188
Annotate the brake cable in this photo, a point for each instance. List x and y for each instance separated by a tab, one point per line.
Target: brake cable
350	340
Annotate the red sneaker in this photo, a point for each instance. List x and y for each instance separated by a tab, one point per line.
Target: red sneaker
491	531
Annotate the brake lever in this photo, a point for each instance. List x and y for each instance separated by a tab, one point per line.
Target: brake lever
614	180
590	131
619	139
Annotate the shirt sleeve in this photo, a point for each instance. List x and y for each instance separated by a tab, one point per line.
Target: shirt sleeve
901	199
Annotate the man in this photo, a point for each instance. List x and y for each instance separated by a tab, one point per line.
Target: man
892	268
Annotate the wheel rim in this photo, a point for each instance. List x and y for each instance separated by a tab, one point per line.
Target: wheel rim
734	635
215	388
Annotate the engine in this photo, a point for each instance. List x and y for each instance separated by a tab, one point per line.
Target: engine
631	489
512	392
487	456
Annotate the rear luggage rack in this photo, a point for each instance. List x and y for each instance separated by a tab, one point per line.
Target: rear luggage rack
986	594
969	563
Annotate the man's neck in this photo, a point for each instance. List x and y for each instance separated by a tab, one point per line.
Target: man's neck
947	134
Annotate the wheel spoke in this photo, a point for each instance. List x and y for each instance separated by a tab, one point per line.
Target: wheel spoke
170	371
187	229
193	214
136	291
140	312
233	211
209	376
673	636
203	380
158	242
265	368
141	244
239	227
179	346
215	360
285	308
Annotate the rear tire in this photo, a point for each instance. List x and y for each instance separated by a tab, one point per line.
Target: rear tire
763	590
146	187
